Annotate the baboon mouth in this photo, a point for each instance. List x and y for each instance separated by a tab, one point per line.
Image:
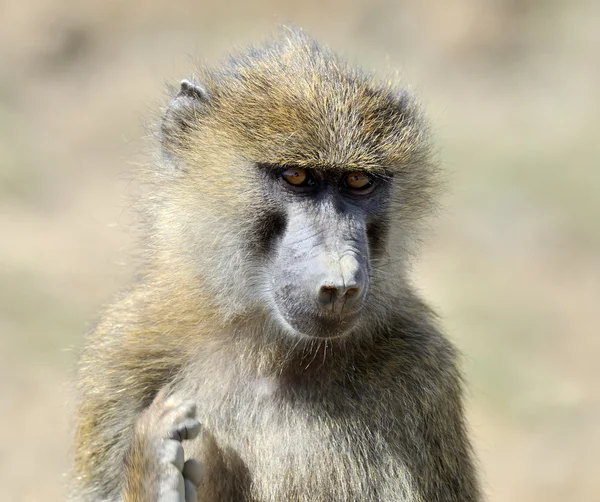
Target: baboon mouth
326	327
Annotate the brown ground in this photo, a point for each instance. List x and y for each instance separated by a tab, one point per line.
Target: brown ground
513	262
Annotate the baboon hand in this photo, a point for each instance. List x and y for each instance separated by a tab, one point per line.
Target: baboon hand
157	468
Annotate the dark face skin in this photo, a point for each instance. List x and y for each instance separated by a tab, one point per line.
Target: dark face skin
319	265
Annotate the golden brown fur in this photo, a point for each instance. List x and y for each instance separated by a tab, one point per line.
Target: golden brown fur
389	398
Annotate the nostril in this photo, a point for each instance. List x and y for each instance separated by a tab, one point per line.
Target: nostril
334	295
327	294
328	289
353	291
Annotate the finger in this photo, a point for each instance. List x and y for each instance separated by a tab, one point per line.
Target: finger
172	496
173	453
186	429
190	408
191	494
192	471
171	483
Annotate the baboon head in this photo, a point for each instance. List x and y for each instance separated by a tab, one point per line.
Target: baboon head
293	184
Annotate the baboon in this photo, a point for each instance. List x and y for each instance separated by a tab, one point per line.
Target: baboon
273	337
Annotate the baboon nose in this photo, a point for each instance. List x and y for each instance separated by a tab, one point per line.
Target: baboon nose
342	293
339	297
343	284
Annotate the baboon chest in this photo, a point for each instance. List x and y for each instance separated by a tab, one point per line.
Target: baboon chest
265	446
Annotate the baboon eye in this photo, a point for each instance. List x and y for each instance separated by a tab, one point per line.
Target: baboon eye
296	176
358	181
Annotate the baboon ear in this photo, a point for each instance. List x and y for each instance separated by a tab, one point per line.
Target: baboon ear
181	115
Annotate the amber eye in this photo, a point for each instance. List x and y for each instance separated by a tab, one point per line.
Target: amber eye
295	176
358	181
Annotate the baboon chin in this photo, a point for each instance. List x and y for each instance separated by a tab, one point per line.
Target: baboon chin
274	348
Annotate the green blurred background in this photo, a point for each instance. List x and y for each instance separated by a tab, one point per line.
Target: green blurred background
512	261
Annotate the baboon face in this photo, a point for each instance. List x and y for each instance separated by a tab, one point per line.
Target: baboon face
318	278
294	185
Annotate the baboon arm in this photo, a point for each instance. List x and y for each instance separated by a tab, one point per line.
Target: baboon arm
120	376
450	456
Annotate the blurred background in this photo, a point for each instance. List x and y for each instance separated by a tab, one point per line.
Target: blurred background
512	262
